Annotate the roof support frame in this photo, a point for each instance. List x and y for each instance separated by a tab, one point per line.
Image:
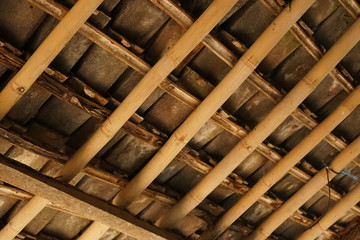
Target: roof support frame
336	212
283	166
265	127
77	202
46	52
131	103
308	190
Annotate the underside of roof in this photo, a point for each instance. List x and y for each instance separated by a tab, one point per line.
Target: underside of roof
179	119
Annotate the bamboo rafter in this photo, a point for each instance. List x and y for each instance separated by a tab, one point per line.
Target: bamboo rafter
209	106
333	214
282	167
46	52
126	56
194	102
264	128
126	109
92	172
307	191
256	79
14	63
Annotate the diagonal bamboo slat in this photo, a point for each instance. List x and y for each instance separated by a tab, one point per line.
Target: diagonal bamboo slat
212	103
333	214
146	86
77	202
255	78
264	128
127	108
307	191
46	52
283	166
123	54
22	81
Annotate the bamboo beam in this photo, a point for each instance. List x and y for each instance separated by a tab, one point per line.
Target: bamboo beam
146	86
265	127
109	178
89	171
178	15
22	81
46	52
94	231
333	214
23	217
139	94
77	202
124	55
50	84
307	191
212	103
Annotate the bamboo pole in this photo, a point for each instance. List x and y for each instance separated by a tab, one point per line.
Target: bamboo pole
46	52
265	127
212	103
94	231
333	214
78	203
23	217
307	191
146	86
23	80
215	12
123	54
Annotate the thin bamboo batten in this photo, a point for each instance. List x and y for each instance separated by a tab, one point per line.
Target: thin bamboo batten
23	80
245	66
46	52
333	214
307	191
94	231
213	14
146	86
23	217
263	129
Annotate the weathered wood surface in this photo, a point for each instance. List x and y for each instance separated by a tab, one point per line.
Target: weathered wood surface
78	202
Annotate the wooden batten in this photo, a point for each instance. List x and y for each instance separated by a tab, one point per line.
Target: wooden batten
266	126
332	215
46	52
307	191
76	202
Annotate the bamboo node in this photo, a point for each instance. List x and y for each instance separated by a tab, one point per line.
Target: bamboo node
247	146
312	83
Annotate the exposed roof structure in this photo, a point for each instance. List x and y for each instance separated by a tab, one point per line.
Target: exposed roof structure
175	119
